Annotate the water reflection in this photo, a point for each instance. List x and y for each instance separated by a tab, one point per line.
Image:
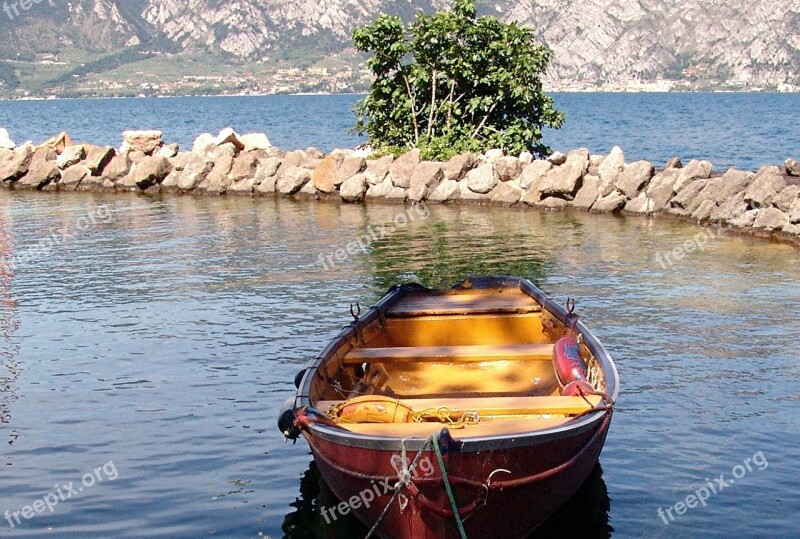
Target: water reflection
184	319
9	324
305	521
584	516
453	243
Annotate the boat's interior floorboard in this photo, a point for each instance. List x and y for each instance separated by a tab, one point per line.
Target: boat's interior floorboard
461	330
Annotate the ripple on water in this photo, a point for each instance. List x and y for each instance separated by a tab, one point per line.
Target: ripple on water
166	339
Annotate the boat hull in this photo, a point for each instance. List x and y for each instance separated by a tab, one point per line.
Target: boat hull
517	458
544	475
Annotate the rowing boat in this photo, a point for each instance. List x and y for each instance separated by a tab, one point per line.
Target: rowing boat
475	411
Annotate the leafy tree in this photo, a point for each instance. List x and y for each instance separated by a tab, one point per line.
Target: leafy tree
8	77
454	82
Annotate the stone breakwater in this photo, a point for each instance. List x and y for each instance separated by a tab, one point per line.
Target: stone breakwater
764	202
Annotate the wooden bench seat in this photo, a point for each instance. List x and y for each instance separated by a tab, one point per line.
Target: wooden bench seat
497	406
483	429
460	304
454	354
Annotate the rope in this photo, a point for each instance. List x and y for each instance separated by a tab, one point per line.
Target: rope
404	478
443	415
608	407
447	487
459	480
500	485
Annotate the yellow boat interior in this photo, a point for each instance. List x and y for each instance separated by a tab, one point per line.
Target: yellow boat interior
476	360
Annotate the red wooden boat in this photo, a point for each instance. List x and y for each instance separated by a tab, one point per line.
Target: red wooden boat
474	411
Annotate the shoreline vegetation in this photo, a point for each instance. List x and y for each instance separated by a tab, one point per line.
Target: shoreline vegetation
764	203
562	89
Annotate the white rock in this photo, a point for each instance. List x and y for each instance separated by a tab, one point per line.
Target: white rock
229	135
447	190
354	189
526	158
142	141
169	151
558	158
70	156
612	165
361	152
533	173
492	155
5	140
482	179
203	143
255	141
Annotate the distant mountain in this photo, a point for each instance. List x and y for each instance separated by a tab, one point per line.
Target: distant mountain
757	42
595	42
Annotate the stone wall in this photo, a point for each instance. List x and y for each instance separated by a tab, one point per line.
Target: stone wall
766	202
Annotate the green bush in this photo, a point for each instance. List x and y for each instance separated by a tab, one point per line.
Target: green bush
454	82
8	77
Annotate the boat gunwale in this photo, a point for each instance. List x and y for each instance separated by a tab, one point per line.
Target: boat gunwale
468	444
574	427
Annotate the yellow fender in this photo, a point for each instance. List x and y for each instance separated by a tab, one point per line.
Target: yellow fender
372	409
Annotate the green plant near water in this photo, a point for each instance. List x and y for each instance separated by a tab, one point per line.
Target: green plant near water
454	82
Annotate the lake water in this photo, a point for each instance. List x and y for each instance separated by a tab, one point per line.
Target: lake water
740	130
150	342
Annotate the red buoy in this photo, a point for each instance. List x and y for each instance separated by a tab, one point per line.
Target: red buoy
571	369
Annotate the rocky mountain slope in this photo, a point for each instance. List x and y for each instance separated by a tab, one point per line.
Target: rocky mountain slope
745	43
724	40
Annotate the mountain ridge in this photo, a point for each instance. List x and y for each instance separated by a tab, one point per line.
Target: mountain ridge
595	43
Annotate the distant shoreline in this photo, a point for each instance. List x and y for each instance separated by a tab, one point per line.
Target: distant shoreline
97	98
324	94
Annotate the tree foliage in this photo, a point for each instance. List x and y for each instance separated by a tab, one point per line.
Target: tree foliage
454	82
8	77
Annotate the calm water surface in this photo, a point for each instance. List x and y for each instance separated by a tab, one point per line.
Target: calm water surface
741	130
164	338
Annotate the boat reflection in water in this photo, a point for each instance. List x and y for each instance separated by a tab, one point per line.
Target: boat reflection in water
584	516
